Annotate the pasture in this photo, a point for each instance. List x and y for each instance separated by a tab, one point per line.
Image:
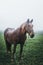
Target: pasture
32	52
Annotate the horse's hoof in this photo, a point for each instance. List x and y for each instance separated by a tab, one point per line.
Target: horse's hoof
20	58
12	60
8	52
14	56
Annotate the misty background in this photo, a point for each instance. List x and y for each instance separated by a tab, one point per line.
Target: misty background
14	12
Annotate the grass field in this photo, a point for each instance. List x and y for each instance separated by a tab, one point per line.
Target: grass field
32	52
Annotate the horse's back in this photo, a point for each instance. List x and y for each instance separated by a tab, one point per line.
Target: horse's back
9	30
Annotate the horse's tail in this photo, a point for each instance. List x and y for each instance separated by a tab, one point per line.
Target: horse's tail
5	33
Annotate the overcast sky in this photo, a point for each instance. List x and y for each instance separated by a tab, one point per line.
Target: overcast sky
14	12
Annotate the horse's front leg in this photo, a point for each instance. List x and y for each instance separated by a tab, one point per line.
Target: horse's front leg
21	49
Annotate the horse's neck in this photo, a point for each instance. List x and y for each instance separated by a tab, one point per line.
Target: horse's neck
21	33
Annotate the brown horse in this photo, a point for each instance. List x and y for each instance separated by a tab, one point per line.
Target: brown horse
18	36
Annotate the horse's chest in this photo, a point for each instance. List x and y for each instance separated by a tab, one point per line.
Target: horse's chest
22	38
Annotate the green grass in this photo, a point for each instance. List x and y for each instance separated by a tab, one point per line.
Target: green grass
32	52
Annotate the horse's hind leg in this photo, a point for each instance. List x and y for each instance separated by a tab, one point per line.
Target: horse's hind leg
8	46
14	50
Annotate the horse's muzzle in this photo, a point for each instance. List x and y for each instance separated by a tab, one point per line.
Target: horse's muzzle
32	35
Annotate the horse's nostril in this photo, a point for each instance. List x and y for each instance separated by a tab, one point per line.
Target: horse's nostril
32	36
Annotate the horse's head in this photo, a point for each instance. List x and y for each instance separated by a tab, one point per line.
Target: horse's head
29	28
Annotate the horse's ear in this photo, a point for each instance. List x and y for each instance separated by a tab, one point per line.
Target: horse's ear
27	20
31	20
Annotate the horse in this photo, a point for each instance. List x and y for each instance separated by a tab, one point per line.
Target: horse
18	36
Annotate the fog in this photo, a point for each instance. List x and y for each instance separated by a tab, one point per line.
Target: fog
14	12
